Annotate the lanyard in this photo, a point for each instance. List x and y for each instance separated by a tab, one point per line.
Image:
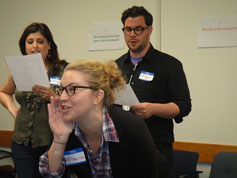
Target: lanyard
127	108
134	68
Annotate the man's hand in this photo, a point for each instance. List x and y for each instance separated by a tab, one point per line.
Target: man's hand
143	110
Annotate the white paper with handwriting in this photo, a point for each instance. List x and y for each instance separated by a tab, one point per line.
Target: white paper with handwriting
27	71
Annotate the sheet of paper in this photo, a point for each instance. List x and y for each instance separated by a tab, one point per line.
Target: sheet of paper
27	71
126	96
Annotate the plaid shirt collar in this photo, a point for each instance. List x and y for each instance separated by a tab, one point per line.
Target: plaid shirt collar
108	129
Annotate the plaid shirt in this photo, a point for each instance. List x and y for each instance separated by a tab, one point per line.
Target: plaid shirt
100	165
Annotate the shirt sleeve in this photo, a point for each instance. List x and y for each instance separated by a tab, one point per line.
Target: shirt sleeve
44	167
179	90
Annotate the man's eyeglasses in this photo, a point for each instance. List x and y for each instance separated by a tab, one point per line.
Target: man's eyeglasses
70	90
137	30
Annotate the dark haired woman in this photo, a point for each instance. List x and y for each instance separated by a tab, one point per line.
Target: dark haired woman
32	133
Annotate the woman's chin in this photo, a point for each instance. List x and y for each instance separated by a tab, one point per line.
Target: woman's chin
67	117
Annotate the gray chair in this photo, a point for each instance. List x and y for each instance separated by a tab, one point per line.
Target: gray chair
6	171
185	164
224	165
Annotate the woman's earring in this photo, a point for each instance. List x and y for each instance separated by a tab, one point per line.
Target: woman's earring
49	54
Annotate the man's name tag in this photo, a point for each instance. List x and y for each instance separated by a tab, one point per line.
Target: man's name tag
55	80
73	157
146	76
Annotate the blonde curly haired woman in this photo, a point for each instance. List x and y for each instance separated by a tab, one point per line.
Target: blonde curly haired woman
93	137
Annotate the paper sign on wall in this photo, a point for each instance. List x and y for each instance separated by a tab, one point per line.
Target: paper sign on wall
106	36
217	31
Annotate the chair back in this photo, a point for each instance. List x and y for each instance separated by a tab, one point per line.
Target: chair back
224	165
185	163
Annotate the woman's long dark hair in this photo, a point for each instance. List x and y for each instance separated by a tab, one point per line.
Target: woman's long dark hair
52	59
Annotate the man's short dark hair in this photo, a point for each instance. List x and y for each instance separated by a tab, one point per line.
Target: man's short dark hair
136	11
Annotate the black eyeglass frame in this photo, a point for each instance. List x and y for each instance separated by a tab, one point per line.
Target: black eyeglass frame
134	29
58	89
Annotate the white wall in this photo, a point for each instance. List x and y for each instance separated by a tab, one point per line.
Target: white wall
210	72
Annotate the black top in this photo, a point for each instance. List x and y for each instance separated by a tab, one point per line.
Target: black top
166	83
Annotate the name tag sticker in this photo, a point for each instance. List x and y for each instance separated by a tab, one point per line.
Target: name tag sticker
73	157
55	80
146	76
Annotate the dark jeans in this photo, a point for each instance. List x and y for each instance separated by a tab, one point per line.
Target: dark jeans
26	160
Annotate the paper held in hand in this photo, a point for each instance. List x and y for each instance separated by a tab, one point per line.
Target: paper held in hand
27	71
126	96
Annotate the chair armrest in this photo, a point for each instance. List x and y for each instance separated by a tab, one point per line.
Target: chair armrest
6	154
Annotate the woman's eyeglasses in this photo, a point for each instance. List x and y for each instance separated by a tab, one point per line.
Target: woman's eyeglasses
70	90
